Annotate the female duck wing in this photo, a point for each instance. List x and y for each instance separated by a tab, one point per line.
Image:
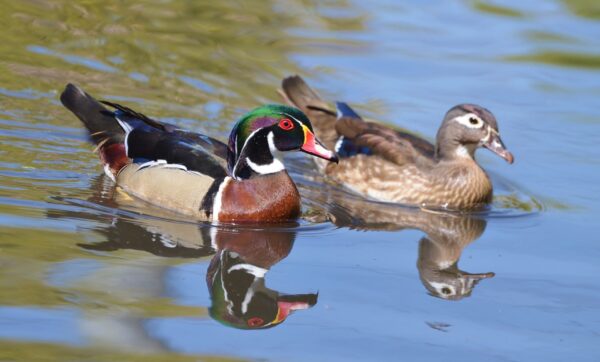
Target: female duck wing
149	140
348	131
376	139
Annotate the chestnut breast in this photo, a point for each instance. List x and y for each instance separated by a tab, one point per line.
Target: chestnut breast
266	198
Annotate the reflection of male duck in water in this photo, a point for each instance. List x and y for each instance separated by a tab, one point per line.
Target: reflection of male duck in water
236	280
446	235
236	274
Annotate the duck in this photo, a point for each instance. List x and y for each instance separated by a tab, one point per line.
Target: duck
391	165
445	236
196	175
237	279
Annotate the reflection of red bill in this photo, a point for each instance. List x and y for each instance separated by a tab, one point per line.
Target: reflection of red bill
314	147
285	308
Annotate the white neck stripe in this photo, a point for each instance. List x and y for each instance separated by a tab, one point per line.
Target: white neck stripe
272	167
218	200
237	154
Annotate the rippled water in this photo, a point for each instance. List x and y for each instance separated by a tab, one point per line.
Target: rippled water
87	273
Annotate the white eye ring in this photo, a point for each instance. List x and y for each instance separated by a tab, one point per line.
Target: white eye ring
444	290
467	120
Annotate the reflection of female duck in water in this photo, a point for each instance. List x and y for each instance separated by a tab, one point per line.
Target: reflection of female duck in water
446	235
440	251
236	273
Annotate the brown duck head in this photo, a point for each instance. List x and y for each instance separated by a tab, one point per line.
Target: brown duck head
467	127
440	251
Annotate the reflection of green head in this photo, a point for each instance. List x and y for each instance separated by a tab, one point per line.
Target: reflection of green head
240	299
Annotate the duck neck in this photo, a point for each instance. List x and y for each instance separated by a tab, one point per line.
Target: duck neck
258	156
452	150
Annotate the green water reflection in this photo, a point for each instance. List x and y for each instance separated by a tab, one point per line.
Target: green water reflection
67	246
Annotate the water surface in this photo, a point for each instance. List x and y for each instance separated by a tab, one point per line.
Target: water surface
87	273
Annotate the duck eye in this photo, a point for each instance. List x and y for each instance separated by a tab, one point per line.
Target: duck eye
473	120
286	124
255	322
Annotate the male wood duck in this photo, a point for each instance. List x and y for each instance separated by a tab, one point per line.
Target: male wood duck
395	166
197	175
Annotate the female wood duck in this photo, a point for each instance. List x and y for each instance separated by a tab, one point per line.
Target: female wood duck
197	175
394	166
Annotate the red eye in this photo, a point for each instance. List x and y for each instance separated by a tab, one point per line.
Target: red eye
254	322
286	124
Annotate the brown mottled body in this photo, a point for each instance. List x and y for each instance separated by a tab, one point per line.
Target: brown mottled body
267	198
449	184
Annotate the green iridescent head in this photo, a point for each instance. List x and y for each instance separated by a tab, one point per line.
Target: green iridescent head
240	299
270	128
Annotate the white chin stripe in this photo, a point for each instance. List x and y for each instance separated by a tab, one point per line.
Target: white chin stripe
465	151
272	167
252	269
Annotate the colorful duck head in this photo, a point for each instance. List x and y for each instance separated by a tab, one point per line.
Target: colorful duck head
258	137
467	127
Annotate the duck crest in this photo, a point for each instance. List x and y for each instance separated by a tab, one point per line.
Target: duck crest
251	146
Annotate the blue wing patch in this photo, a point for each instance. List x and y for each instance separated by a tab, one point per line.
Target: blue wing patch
344	110
345	147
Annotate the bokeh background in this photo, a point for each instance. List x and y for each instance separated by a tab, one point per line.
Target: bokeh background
87	274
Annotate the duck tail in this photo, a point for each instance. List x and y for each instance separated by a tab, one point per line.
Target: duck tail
297	93
104	130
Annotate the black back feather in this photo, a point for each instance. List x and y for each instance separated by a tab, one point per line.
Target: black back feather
153	140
